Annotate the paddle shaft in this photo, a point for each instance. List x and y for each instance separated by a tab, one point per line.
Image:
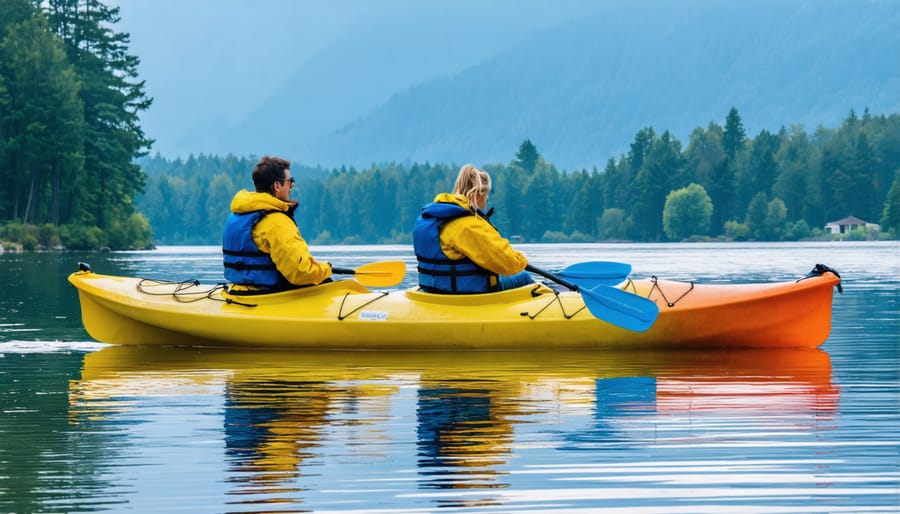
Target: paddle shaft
559	280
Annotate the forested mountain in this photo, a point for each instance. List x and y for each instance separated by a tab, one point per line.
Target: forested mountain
338	83
581	89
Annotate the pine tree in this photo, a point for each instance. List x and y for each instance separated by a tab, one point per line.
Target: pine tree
527	156
734	138
42	123
890	215
113	97
705	155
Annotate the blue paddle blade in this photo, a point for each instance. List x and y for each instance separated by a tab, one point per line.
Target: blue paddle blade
588	275
620	308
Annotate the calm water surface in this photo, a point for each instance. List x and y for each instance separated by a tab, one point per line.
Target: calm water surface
86	427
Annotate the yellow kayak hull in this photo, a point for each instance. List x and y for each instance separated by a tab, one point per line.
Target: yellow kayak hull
346	315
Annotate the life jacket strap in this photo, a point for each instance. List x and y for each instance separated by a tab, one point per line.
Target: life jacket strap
243	266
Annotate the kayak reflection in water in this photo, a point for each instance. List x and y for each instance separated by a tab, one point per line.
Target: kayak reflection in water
288	416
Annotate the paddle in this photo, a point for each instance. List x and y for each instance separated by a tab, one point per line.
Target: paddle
376	274
596	273
611	305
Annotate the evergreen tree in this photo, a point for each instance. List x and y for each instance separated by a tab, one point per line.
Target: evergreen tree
704	154
637	191
761	170
734	136
838	185
890	215
42	125
861	168
774	225
723	183
614	184
521	175
587	205
113	97
815	208
216	205
537	196
527	156
662	165
792	182
13	12
640	147
757	212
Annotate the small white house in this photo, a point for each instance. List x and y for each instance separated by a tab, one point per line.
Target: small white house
842	226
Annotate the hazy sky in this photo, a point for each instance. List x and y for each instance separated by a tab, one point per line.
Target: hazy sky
200	61
210	63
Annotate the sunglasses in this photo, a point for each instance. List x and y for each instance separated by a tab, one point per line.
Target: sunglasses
283	180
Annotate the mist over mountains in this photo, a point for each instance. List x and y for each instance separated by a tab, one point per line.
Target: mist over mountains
339	83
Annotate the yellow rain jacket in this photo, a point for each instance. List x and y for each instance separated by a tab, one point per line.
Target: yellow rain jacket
280	238
474	237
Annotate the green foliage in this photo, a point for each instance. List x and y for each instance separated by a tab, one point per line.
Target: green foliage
614	224
890	214
323	238
756	215
661	170
76	236
857	234
43	125
13	231
797	231
31	237
552	236
48	236
776	217
132	233
527	156
687	213
580	237
734	136
737	231
69	125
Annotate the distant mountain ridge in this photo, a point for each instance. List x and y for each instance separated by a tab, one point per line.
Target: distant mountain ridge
581	92
468	81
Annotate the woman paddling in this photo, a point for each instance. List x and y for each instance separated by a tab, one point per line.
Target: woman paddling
458	250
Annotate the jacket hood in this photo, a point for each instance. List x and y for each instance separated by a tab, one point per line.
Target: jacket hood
459	200
246	201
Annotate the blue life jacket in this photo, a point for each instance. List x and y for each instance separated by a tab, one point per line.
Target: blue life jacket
437	272
244	263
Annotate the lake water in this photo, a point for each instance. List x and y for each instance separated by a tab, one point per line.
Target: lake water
86	427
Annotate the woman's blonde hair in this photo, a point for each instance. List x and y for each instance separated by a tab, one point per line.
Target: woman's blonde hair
472	181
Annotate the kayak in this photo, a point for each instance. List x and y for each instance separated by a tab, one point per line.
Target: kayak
345	314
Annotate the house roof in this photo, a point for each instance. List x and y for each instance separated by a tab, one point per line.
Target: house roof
849	220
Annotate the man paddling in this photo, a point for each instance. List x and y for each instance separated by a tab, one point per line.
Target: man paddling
262	247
